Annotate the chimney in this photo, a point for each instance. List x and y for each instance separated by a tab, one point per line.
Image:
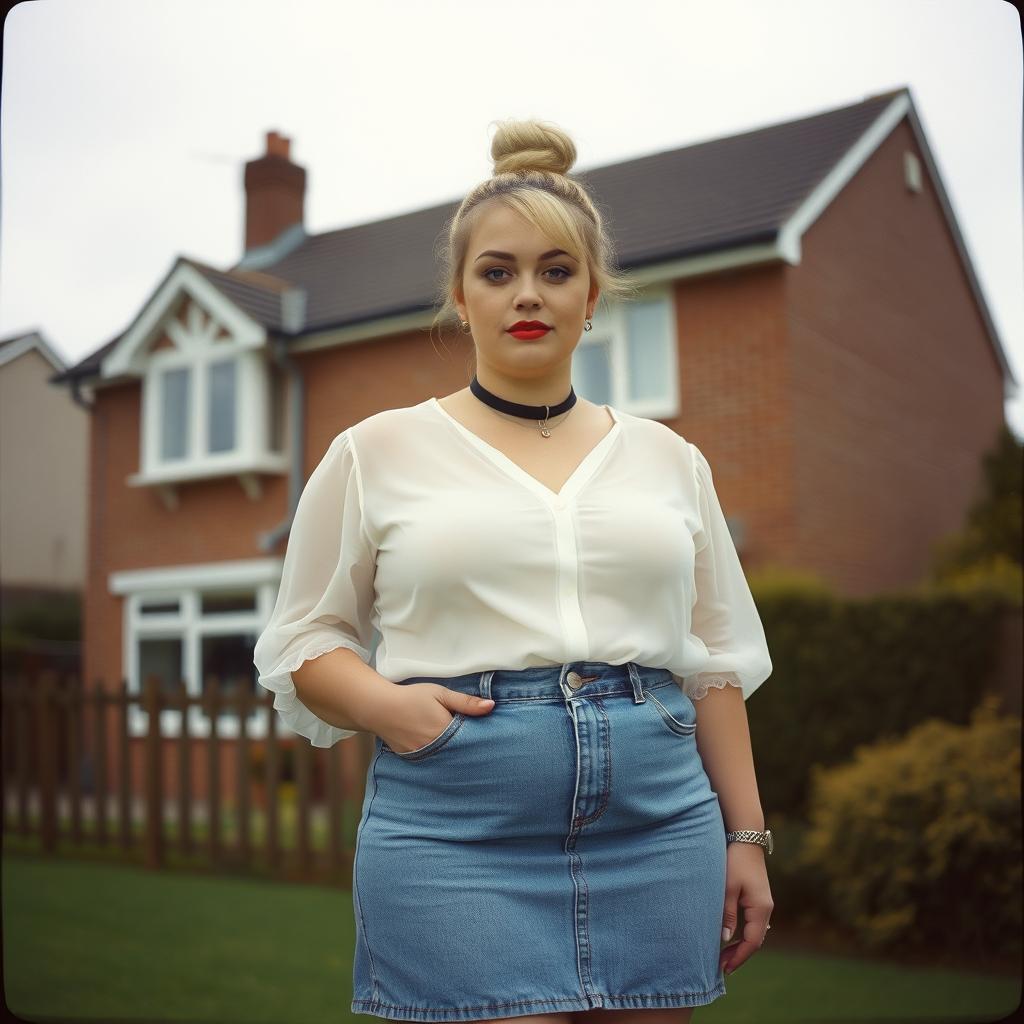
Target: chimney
275	191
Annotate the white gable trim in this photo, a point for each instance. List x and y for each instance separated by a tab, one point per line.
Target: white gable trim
128	357
833	183
836	180
33	341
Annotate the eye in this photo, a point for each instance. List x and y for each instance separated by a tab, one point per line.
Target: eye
501	270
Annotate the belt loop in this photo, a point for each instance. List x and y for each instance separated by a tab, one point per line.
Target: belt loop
638	686
485	683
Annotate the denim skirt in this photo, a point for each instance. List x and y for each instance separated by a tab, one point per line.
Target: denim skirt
561	852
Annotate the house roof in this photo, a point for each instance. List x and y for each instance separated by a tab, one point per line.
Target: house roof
700	198
710	196
16	345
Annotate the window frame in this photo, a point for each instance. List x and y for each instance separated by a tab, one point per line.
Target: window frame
609	325
189	626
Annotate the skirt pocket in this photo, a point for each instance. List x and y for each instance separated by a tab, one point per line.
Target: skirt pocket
674	708
432	746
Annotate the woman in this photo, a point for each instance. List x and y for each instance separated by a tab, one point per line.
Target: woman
544	832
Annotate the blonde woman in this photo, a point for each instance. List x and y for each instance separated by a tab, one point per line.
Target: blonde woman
561	810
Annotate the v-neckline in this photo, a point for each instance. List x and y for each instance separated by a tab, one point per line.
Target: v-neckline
576	479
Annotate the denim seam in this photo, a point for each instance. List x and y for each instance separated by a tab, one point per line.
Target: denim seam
433	750
586	925
718	989
604	741
684	728
362	920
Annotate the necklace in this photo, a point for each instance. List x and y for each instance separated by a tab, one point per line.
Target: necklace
521	410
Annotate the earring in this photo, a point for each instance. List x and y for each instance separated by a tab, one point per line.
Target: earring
587	325
465	327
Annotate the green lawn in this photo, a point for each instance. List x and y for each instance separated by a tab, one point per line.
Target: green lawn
117	943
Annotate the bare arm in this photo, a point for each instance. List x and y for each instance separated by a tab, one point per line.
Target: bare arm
343	690
723	741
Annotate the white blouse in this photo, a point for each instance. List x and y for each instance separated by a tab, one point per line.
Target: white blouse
414	527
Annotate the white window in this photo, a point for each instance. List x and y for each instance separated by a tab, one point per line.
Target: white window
185	635
212	406
197	418
175	413
630	357
222	392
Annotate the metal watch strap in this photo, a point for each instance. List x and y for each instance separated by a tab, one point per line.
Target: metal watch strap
746	836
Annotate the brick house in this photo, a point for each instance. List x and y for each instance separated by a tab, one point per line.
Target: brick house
810	318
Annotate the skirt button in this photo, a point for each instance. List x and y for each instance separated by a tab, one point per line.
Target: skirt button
575	680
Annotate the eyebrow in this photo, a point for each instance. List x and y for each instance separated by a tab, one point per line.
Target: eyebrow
509	256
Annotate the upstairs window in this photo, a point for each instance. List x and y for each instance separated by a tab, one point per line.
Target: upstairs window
175	389
630	357
222	393
213	405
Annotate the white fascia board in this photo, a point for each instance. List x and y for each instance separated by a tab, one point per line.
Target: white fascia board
246	572
836	179
816	203
27	343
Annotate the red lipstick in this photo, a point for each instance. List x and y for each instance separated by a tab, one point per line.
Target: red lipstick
529	330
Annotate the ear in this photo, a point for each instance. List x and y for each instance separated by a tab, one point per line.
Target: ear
460	303
592	299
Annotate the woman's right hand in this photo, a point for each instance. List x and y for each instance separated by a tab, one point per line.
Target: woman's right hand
410	715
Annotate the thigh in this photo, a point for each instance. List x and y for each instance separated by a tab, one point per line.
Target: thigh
654	1015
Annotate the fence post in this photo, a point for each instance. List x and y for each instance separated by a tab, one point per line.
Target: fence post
99	721
123	701
242	704
212	704
74	732
272	839
153	785
185	771
47	763
303	772
23	751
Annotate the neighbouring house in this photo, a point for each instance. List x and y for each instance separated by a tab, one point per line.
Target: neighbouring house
810	317
44	496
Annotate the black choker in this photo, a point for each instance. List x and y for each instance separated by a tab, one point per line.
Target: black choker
527	412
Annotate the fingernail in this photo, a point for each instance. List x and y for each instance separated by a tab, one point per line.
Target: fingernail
485	700
726	934
728	970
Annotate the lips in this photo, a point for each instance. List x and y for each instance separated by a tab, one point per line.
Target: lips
527	330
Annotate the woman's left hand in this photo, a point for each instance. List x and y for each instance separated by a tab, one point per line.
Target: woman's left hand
746	885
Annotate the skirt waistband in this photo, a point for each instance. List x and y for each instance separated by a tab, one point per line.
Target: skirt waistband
573	678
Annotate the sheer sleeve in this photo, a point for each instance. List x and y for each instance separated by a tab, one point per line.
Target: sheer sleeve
725	617
325	599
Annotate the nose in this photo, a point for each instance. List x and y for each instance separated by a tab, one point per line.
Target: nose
527	296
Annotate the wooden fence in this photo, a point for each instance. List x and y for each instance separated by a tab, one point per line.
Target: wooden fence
49	719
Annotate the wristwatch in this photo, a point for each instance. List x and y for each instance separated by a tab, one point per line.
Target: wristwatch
761	838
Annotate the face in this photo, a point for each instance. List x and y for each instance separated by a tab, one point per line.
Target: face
497	292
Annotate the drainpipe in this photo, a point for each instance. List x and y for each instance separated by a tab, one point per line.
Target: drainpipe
293	315
76	394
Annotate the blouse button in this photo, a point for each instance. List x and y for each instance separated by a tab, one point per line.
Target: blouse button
575	680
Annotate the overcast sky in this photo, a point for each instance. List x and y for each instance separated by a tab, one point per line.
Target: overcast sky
125	124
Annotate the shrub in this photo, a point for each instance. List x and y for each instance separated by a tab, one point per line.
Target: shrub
918	840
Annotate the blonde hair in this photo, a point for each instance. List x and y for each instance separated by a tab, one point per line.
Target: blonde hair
531	164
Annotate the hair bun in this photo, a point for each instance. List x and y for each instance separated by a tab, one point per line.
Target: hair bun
521	146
